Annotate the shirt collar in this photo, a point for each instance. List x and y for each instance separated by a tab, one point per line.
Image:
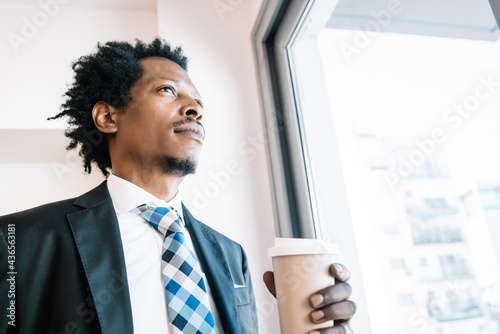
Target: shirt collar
127	196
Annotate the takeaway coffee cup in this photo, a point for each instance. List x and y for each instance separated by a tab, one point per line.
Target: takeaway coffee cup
301	267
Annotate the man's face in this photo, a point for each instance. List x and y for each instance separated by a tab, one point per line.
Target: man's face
159	130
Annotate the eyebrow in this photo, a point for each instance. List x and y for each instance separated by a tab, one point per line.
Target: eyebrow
162	78
200	102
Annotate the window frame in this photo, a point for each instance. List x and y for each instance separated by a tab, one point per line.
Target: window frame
291	180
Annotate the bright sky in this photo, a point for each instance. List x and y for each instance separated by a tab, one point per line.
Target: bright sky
406	86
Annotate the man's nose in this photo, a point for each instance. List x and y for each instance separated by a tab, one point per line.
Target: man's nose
192	108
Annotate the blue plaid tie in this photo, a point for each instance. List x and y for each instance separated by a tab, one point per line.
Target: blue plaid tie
187	299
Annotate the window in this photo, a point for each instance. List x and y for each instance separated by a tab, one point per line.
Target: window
405	299
398	264
436	203
490	198
454	267
385	118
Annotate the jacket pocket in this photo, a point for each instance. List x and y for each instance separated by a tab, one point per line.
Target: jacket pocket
242	295
246	322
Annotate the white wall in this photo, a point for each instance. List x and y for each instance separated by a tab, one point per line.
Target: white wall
231	190
40	43
35	63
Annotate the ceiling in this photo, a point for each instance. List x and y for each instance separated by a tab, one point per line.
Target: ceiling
467	19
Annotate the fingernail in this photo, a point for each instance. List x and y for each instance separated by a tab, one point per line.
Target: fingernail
339	268
317	315
316	300
314	332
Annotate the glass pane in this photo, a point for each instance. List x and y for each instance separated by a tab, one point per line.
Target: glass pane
414	94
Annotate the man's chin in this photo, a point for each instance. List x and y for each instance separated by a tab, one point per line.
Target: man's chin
179	166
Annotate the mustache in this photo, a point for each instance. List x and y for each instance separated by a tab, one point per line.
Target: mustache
188	120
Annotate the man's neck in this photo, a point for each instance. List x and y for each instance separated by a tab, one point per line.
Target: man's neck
162	186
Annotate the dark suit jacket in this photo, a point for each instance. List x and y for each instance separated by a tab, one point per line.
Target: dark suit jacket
71	275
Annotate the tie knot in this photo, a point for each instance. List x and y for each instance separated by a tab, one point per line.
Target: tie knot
165	220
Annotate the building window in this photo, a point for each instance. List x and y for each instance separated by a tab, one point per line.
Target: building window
436	203
490	198
405	299
454	266
398	264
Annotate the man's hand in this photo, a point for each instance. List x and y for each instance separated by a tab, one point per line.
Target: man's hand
330	303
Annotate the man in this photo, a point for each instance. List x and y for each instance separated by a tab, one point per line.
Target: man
103	262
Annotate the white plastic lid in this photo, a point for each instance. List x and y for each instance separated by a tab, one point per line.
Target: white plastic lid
299	246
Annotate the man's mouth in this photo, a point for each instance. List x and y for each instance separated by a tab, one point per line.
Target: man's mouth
191	130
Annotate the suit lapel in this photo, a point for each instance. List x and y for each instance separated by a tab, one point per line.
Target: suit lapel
97	238
213	261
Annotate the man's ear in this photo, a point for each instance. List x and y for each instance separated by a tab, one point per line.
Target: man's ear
104	117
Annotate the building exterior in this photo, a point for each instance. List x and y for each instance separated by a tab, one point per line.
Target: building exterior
442	249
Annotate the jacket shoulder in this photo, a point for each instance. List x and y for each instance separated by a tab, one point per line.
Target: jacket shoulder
56	211
46	211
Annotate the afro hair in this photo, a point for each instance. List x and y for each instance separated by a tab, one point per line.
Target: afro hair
106	75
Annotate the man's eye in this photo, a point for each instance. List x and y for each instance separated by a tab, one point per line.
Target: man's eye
200	103
167	89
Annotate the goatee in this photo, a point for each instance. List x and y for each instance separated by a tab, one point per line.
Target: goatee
179	166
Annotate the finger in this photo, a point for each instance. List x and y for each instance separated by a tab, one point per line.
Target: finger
269	281
340	272
342	322
339	311
333	330
332	294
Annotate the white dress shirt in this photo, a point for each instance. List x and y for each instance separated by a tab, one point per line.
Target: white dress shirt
142	248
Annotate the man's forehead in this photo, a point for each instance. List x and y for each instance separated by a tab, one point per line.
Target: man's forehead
159	68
